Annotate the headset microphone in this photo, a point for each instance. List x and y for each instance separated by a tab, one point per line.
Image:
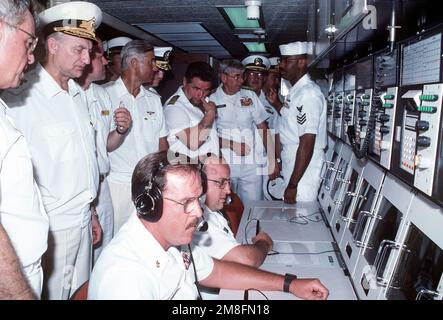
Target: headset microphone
228	200
203	225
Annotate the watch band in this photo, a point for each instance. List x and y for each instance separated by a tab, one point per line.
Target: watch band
288	279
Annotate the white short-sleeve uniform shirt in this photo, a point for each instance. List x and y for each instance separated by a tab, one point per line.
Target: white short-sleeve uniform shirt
148	126
99	105
303	112
21	209
61	138
181	114
135	266
218	240
237	120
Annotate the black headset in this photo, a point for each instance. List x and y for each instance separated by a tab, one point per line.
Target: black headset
149	202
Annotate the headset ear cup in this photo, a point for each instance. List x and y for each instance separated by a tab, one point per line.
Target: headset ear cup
149	204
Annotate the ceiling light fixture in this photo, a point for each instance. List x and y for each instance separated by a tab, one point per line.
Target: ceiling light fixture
253	9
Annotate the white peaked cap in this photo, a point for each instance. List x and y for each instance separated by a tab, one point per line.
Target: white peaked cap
296	48
117	42
76	18
162	57
274	61
256	63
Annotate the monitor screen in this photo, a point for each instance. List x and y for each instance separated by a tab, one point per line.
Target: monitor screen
349	76
386	69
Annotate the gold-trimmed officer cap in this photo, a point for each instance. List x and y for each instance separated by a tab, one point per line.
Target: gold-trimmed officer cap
274	61
162	55
76	18
256	63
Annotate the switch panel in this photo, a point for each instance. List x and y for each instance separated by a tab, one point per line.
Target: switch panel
427	140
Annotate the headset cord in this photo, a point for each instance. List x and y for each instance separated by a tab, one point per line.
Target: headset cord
195	273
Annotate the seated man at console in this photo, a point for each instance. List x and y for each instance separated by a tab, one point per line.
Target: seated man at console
151	256
218	240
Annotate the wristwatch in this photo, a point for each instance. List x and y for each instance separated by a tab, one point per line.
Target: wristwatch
288	279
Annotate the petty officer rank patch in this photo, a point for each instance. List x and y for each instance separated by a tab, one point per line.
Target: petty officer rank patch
173	100
246	101
186	259
105	112
301	117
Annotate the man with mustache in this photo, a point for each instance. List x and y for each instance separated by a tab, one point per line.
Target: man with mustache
151	257
52	113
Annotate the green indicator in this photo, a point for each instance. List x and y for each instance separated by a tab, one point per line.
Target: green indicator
389	97
388	105
365	96
428	97
427	109
365	103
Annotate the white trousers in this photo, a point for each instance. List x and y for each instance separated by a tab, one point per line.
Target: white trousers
105	213
247	181
122	203
67	262
34	275
308	185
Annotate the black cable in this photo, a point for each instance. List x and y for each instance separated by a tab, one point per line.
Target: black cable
246	227
246	295
195	273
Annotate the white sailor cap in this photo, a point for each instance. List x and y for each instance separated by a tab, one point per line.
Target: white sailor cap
162	55
116	44
296	48
256	63
274	64
76	18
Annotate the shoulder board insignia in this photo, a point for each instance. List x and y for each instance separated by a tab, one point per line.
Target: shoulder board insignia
173	100
221	106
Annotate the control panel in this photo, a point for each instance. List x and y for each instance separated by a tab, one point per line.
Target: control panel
427	141
362	111
348	113
417	140
330	100
387	92
338	114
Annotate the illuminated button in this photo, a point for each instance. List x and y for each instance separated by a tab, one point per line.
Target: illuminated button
350	96
365	103
389	97
365	96
428	97
388	105
427	109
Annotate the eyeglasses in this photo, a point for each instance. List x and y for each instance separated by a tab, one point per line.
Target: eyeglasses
236	77
190	204
30	45
222	183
